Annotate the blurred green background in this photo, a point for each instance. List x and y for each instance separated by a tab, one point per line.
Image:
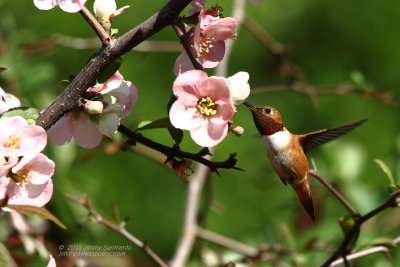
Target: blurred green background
331	43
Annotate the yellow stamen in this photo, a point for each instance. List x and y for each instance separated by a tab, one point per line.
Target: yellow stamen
12	142
207	106
22	176
205	45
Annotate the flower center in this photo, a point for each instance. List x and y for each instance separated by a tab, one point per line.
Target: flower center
21	177
205	45
12	142
207	106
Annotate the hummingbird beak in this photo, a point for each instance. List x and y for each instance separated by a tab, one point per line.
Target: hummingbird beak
247	104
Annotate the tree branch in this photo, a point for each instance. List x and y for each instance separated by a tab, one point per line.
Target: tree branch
226	242
190	227
98	29
333	191
365	252
176	152
183	37
117	228
69	99
391	202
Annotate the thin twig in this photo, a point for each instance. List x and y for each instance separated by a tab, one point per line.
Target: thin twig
275	47
365	252
314	172
226	242
176	152
334	192
183	37
117	228
99	30
47	45
359	220
190	228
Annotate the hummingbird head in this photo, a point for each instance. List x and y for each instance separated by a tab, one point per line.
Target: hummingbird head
267	119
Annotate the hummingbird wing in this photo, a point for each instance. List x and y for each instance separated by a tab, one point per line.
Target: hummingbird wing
314	139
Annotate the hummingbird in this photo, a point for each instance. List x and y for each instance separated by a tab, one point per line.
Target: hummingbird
287	151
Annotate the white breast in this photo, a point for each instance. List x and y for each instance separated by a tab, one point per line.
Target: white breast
278	140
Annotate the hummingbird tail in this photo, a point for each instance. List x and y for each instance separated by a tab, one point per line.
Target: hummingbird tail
304	193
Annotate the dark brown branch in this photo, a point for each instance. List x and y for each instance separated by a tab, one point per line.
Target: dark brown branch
176	152
334	192
117	228
99	30
183	37
69	99
391	202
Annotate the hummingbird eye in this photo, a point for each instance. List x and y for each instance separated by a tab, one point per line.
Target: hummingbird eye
268	111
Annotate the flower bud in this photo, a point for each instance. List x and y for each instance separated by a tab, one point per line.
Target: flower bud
237	130
104	8
94	107
108	124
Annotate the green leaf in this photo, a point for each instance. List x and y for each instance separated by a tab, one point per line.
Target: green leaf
161	123
392	184
29	114
381	241
109	70
359	80
38	211
113	32
5	257
176	134
347	223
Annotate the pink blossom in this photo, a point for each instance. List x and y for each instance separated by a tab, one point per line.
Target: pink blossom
114	101
70	6
19	139
77	125
52	262
125	91
27	184
208	42
239	87
203	107
197	5
8	101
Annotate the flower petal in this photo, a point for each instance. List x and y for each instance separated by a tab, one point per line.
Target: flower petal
211	135
30	194
225	112
120	10
215	54
45	4
221	29
71	6
187	86
182	64
40	169
239	87
85	132
184	117
108	124
217	88
61	132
